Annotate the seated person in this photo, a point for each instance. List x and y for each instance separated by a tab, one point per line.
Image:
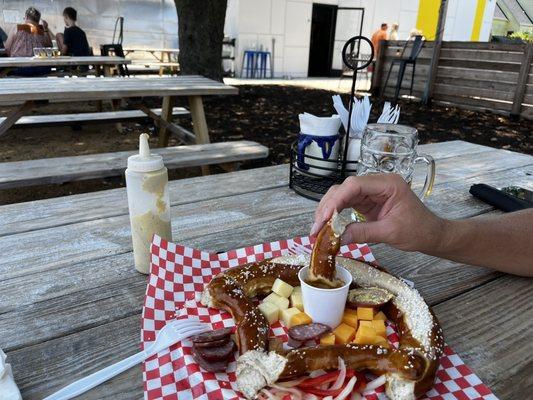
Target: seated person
73	41
23	38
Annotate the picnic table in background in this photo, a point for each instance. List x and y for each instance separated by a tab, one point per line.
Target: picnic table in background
35	91
165	58
70	298
8	63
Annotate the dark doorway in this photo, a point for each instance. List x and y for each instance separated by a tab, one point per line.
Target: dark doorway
322	39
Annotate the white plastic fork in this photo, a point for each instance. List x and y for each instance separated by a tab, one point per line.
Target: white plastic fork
171	333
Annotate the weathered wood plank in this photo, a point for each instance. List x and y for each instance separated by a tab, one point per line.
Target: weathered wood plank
490	328
102	88
482	55
14	62
75	168
478	74
468	91
515	47
97	117
484	65
471	103
85	207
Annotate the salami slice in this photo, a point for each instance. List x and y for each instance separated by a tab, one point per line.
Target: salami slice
211	336
306	332
217	366
216	353
214	343
368	297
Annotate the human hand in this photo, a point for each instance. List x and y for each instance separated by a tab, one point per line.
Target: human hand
394	214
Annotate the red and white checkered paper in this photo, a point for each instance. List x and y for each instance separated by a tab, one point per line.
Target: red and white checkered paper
178	277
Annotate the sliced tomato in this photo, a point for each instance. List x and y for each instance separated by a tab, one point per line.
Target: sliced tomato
286	397
326	378
361	381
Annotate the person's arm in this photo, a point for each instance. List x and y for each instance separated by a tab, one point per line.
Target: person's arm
60	39
397	217
47	33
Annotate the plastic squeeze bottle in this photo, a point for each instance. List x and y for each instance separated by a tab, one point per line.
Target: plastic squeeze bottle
148	201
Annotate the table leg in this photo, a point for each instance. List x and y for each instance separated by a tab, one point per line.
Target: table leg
166	115
199	124
14	116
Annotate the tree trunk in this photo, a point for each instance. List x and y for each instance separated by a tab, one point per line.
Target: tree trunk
201	30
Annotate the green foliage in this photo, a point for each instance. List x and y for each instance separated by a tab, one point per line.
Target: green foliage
525	36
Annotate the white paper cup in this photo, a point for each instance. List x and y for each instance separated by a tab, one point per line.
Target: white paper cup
325	306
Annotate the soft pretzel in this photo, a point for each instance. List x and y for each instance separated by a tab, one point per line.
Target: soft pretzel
410	370
327	245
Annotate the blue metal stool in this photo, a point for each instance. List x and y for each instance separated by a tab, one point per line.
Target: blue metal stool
249	63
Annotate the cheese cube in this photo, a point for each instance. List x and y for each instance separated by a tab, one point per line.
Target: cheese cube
366	313
297	300
343	333
281	302
366	323
288	314
297	289
380	316
379	327
328	340
270	311
300	319
282	288
350	317
365	335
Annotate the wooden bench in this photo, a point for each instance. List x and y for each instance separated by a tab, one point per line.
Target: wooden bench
146	65
76	168
97	117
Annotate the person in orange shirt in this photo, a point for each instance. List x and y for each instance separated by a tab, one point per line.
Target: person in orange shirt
380	34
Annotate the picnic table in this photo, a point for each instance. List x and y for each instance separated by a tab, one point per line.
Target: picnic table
70	298
165	57
8	63
32	92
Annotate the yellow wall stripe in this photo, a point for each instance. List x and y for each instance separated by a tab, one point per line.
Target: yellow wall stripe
478	20
428	15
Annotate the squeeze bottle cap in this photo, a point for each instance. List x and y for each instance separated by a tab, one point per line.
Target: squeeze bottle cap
144	161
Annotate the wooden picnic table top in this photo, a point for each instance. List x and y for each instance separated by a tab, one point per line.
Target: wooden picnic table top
70	298
63	61
149	50
101	88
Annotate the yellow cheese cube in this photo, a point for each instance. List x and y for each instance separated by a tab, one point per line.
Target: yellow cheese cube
281	302
328	340
270	311
365	335
367	323
282	288
350	318
380	316
343	333
288	314
297	300
379	327
366	313
300	319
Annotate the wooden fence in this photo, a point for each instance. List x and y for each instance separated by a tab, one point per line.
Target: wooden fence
474	75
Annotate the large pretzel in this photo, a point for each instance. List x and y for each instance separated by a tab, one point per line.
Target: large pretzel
409	370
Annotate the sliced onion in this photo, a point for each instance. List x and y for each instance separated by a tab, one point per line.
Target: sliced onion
327	398
297	393
309	396
372	385
318	372
356	396
347	389
289	384
342	375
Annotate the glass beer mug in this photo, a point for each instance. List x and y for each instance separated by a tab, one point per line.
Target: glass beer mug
388	148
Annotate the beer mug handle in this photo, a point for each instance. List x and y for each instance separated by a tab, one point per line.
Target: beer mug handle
430	174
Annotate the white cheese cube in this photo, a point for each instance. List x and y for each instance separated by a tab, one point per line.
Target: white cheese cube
297	300
282	288
297	289
270	311
286	315
281	302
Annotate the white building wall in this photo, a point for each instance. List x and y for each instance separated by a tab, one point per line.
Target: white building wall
256	22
